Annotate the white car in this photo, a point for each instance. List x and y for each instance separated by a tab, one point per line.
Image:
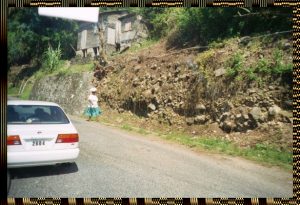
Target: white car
39	133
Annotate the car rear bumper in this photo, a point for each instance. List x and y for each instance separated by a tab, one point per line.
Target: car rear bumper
39	158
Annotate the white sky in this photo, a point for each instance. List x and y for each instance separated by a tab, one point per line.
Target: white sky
89	14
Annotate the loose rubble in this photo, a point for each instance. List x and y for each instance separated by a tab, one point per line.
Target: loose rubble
173	90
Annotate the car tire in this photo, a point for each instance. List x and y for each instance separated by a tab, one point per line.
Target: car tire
8	181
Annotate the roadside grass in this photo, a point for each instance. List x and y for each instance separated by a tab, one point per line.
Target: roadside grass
265	154
141	131
127	127
260	152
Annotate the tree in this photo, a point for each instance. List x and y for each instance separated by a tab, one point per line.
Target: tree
29	35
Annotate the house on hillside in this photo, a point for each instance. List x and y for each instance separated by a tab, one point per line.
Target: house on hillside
119	28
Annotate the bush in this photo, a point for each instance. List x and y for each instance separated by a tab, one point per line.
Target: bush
52	58
280	67
235	65
263	66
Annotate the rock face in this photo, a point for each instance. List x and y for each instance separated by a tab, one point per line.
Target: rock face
69	91
173	92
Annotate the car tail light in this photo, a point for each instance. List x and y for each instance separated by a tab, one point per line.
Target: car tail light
13	140
67	138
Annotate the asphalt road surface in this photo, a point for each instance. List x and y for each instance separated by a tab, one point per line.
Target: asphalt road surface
115	163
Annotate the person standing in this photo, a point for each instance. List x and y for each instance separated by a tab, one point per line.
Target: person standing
93	109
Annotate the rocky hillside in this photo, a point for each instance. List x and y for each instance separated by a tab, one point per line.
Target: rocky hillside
236	86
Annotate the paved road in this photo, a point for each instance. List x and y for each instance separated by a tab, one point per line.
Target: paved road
114	163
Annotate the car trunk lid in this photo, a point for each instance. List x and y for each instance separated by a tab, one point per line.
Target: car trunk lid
39	136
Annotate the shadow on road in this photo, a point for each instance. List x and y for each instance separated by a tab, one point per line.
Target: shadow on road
29	172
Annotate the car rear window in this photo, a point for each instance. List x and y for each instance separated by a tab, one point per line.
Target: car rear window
35	114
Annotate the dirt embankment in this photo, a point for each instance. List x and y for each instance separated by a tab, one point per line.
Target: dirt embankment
221	91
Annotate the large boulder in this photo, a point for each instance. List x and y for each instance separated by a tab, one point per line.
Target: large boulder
199	108
200	119
152	107
224	116
227	126
244	40
257	115
220	72
190	120
274	111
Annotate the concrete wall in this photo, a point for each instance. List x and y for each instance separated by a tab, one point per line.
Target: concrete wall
69	91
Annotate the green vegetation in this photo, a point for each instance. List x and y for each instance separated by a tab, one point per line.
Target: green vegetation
62	68
14	91
193	25
235	64
26	92
144	44
280	67
185	26
30	35
269	154
261	152
265	68
127	127
142	131
66	69
52	58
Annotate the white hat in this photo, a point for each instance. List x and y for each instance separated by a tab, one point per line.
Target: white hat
93	89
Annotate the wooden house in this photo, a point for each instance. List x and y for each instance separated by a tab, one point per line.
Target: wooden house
119	28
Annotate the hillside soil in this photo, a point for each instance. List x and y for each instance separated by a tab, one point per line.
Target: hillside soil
226	91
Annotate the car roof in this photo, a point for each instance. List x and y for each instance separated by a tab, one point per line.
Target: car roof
30	102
